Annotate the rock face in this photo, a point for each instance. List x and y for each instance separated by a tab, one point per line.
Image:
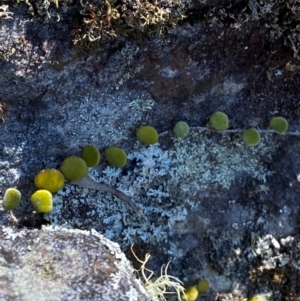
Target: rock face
58	264
208	199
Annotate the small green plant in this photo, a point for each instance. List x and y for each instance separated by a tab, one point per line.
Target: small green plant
181	129
41	201
279	124
251	137
50	179
11	199
202	286
91	155
74	168
116	156
190	293
260	297
219	121
147	134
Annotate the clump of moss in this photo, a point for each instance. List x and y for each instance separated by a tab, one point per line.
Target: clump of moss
219	121
116	156
41	201
11	199
104	19
202	286
181	129
279	124
91	155
147	134
190	293
74	168
251	137
50	179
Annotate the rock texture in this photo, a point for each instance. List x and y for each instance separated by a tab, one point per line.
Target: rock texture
58	264
212	206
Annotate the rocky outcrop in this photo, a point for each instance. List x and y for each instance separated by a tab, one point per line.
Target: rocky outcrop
59	264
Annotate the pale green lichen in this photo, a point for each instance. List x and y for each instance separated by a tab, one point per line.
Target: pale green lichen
157	288
203	161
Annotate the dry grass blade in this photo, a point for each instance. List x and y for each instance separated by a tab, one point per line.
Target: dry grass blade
89	183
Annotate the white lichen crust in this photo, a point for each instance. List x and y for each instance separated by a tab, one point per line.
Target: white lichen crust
162	181
205	162
145	182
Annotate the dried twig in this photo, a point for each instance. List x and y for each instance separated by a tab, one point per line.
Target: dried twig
235	131
89	183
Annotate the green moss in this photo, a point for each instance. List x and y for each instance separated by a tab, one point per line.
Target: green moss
41	201
279	124
219	121
202	286
190	293
181	129
105	19
50	179
91	155
74	168
116	156
147	134
11	199
251	137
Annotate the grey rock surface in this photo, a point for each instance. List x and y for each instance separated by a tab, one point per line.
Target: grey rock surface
59	264
210	202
